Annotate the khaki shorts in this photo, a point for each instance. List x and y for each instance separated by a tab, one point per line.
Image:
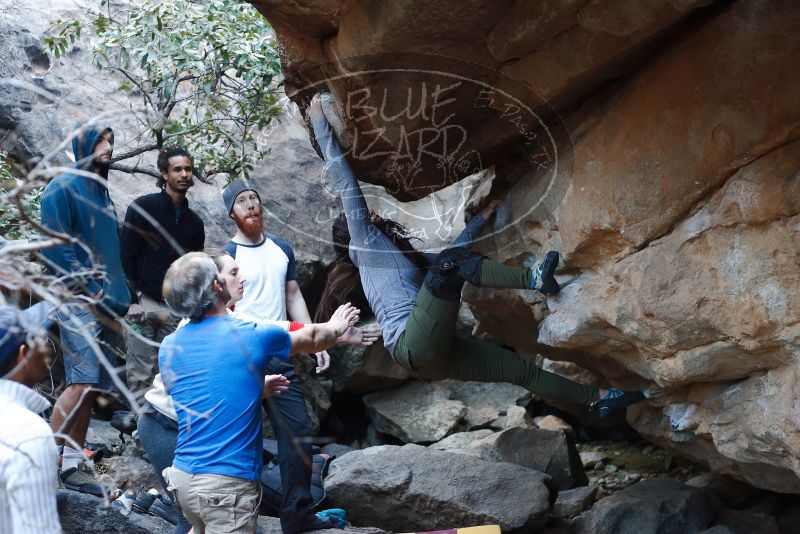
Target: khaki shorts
216	503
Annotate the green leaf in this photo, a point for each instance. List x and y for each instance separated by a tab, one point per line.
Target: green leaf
125	57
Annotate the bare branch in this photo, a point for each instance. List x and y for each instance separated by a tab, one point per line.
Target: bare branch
136	151
23	246
134	169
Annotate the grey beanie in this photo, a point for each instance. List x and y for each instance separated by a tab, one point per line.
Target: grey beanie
230	193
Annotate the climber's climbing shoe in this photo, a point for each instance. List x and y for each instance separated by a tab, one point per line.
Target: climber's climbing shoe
615	400
543	279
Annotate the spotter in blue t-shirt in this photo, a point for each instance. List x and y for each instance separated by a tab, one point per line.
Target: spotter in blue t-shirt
214	370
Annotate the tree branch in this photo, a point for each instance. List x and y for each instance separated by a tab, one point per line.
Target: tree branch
134	169
22	246
135	152
17	201
138	84
169	106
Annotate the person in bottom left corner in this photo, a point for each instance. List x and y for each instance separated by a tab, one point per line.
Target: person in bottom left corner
28	459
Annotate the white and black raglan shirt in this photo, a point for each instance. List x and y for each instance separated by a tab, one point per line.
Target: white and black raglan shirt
266	268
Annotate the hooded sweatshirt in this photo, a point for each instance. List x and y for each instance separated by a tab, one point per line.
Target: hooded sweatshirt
81	207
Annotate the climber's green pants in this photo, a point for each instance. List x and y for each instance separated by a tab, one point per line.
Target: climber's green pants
430	349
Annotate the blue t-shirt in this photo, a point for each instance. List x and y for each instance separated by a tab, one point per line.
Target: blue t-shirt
214	370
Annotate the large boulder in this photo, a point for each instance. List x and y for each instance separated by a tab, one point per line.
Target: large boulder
653	505
417	412
550	451
700	297
673	198
421	412
412	488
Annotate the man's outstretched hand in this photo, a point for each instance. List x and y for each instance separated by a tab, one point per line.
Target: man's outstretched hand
363	337
274	385
343	318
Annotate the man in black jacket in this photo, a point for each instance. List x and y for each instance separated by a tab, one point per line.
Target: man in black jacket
159	228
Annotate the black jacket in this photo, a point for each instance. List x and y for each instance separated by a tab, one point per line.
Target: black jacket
146	254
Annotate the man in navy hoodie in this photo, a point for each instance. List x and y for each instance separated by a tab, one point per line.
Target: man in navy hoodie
78	204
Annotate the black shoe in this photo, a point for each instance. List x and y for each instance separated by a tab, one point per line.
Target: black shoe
615	400
124	421
164	509
543	279
142	503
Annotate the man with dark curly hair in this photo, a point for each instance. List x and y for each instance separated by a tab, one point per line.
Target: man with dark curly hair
158	229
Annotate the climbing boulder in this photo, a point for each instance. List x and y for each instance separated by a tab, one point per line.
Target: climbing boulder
417	412
422	412
413	488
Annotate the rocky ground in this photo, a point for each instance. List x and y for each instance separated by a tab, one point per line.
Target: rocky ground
533	477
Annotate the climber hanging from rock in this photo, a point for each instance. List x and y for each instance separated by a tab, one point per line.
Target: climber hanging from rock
416	296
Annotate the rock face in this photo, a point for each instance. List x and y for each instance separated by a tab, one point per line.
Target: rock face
670	186
422	412
413	488
561	50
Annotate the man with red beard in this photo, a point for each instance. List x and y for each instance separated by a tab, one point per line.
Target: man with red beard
271	292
